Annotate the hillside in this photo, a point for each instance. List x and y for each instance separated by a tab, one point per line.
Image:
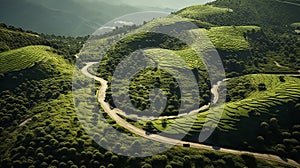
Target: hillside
254	50
269	12
56	109
12	38
199	12
30	63
229	38
275	13
39	125
245	48
27	57
244	117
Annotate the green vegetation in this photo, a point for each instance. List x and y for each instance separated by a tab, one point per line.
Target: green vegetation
12	38
55	137
199	12
31	63
296	25
39	126
270	47
244	114
146	81
27	57
256	12
230	38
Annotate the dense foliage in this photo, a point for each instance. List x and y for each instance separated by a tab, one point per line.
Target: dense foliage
39	126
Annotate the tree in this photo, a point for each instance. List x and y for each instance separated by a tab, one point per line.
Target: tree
245	35
40	156
296	134
219	163
274	122
281	78
159	161
260	139
3	47
164	123
54	163
187	162
262	87
98	156
147	165
62	165
110	165
265	127
149	126
249	159
44	165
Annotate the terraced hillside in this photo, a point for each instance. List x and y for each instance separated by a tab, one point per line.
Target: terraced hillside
258	102
30	63
274	96
27	57
39	126
30	72
230	38
54	137
199	12
155	40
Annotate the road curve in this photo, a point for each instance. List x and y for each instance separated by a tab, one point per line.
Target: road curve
113	114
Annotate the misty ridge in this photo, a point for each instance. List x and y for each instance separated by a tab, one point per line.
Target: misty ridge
74	17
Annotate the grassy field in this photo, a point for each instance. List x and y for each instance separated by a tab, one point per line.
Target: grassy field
27	57
201	11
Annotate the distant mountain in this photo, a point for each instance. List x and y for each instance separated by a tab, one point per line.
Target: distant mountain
68	17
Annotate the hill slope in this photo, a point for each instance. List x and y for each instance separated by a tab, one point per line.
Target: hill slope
244	12
30	63
12	38
69	17
27	57
39	126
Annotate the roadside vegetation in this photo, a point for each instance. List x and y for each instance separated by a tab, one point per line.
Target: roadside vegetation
258	107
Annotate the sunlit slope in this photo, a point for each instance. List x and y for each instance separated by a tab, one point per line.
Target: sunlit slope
201	11
230	38
259	103
28	57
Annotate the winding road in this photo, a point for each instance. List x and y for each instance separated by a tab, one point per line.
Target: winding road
113	113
